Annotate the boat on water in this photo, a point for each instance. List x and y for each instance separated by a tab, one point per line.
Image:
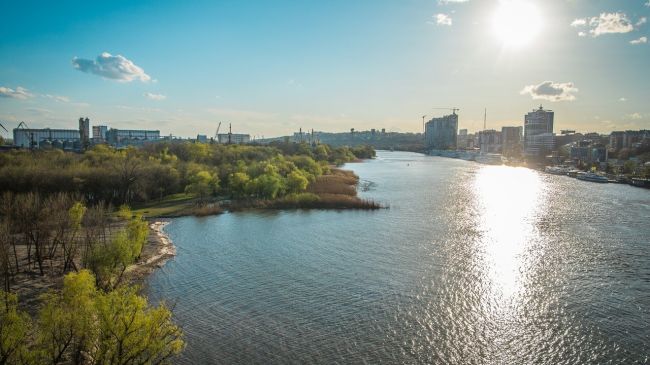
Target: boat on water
642	183
490	159
557	170
590	176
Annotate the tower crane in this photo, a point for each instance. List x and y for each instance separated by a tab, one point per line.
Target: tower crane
3	127
453	109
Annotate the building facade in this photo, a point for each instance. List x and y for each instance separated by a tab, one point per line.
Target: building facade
588	152
233	138
442	133
99	133
84	132
538	133
131	137
489	141
511	138
46	137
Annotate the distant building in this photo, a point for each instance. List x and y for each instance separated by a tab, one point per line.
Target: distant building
233	138
46	137
628	139
441	133
538	132
511	138
489	141
588	152
202	138
99	133
461	140
84	132
131	137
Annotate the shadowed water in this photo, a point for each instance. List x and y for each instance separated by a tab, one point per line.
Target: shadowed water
471	264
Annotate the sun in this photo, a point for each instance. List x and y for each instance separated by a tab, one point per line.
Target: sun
516	22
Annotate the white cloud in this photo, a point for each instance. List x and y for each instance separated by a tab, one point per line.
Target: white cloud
445	2
59	98
111	67
443	19
641	40
648	4
642	20
152	96
634	116
582	34
622	99
579	22
551	91
18	93
606	23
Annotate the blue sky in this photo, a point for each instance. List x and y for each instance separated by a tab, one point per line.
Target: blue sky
271	67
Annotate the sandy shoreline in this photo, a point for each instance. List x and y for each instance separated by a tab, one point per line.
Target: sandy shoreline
155	253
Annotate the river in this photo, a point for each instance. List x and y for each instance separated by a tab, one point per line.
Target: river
471	264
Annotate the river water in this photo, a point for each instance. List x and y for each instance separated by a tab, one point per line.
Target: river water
471	264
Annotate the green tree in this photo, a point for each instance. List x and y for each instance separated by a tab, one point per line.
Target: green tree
237	182
296	182
14	330
203	184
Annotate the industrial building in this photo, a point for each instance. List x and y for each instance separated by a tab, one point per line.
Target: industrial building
539	138
44	138
442	133
131	137
99	133
233	138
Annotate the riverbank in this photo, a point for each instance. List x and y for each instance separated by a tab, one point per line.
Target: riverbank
155	253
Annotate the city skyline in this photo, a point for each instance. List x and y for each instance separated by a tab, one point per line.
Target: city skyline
270	69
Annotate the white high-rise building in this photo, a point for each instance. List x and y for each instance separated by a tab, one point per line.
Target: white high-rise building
539	138
441	133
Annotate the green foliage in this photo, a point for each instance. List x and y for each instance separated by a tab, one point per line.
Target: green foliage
83	325
237	183
203	184
104	174
296	182
125	212
14	330
109	261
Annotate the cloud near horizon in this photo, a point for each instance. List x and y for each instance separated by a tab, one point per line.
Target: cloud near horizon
117	68
551	91
152	96
641	40
18	93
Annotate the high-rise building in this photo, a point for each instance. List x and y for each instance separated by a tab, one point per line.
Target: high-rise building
84	132
489	141
461	141
511	141
538	132
441	133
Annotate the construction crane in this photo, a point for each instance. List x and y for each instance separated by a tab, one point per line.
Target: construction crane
23	125
453	109
216	134
3	127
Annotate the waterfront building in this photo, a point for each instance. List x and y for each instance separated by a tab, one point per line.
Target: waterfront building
462	140
628	139
441	133
489	141
233	138
511	138
588	152
131	137
539	138
46	137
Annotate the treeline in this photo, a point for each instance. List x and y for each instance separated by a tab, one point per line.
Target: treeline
110	176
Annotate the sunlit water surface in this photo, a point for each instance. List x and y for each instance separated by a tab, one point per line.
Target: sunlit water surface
471	264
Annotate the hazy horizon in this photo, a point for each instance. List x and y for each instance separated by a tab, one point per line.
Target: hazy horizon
270	68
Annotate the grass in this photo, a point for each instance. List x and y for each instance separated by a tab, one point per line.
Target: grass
169	206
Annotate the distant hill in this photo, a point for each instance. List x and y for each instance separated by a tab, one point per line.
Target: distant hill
377	139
